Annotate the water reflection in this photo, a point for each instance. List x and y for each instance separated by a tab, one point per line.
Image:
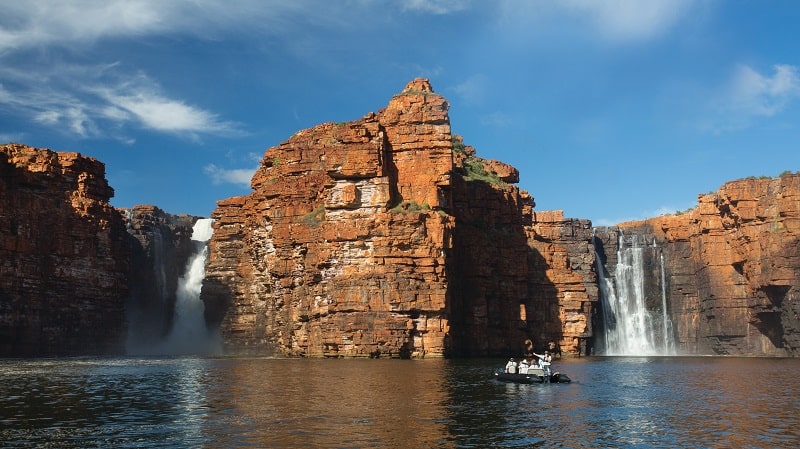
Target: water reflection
331	403
196	402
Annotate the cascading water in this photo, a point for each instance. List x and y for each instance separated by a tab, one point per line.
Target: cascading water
629	327
666	322
189	334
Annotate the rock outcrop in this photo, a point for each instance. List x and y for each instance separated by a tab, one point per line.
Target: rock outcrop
63	255
341	248
387	236
733	268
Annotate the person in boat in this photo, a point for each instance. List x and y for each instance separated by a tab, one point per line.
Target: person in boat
544	361
511	366
523	366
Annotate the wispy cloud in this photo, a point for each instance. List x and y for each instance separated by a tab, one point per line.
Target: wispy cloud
763	95
40	23
237	176
618	21
629	20
153	110
79	99
37	23
436	6
92	99
750	95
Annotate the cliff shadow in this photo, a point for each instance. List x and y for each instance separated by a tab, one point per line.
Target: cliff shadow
543	323
490	305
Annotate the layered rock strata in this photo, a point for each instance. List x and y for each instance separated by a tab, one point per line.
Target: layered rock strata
340	250
387	236
63	255
733	268
562	282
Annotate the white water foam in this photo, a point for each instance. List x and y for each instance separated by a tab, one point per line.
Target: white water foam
630	329
189	334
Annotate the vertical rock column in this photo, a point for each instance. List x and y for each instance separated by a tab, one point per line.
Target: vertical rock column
340	249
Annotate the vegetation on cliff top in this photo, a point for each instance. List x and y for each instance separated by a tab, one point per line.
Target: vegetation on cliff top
474	170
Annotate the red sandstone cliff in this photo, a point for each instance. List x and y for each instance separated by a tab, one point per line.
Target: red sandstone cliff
733	267
386	236
63	255
340	250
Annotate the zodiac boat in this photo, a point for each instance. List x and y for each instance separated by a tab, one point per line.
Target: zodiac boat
533	374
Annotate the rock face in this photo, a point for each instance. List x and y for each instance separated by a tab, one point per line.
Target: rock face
733	268
63	255
562	281
387	236
161	245
340	250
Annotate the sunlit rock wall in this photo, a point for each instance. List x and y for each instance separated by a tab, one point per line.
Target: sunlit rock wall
733	266
388	237
340	250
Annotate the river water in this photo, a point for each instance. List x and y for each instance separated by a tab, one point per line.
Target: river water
280	403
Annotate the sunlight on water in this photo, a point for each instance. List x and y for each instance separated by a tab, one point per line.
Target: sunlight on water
254	403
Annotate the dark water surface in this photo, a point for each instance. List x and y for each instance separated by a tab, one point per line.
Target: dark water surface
254	402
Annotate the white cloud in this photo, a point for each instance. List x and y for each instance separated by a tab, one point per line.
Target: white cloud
79	98
239	176
159	113
629	20
762	95
749	95
436	6
613	20
33	23
38	23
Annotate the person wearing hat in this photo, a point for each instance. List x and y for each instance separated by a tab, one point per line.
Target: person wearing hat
544	362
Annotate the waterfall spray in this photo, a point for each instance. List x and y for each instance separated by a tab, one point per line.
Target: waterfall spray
629	327
189	334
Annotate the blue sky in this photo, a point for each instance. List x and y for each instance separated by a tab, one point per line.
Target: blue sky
611	110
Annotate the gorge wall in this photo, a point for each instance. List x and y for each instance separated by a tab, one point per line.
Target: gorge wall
733	268
63	255
387	236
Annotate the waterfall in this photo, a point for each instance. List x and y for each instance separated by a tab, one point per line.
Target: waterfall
189	334
666	322
629	327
